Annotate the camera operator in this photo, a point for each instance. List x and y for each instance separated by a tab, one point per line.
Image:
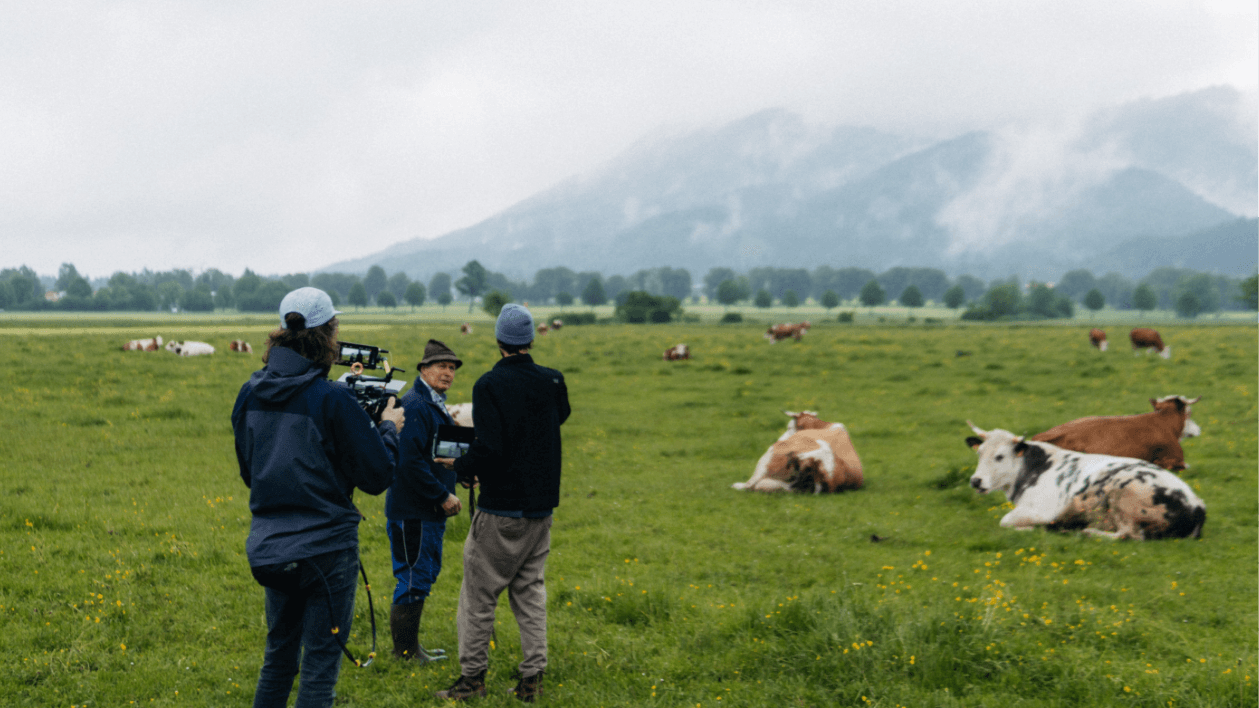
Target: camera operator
422	496
516	458
304	444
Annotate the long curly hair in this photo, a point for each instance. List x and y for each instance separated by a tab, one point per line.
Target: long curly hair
319	344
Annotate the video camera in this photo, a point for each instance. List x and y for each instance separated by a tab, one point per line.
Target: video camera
371	392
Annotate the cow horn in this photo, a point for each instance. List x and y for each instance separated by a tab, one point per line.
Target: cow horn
983	435
789	414
1189	402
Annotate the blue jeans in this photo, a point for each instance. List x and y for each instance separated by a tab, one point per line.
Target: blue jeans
305	599
416	547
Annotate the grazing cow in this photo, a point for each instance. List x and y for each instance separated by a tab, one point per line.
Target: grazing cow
465	328
812	456
543	329
189	348
240	345
461	413
786	330
676	352
556	324
1144	338
143	345
1117	497
1153	437
1098	339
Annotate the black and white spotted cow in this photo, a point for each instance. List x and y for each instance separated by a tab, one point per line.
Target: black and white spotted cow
1117	497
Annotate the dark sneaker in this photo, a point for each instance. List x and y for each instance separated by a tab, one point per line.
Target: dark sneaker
529	688
466	687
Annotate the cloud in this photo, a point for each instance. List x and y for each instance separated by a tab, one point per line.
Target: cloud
285	135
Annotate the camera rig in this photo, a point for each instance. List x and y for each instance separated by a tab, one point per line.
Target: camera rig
371	392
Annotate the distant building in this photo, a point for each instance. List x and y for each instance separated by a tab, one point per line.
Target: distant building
53	295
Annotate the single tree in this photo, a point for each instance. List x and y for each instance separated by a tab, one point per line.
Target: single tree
830	300
791	299
1094	300
398	284
385	298
444	299
1188	305
731	291
440	285
358	295
169	294
374	281
246	284
872	294
335	297
66	275
493	302
594	294
1143	298
763	299
954	297
1250	292
564	299
415	294
911	297
79	287
473	283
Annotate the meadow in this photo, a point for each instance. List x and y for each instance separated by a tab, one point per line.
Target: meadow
123	521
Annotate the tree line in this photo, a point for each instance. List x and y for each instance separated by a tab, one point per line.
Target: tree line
1188	292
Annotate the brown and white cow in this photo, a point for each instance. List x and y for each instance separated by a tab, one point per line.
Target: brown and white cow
143	345
1063	490
1098	339
812	456
240	345
677	352
543	329
189	348
556	324
1153	437
785	331
461	413
465	328
1147	339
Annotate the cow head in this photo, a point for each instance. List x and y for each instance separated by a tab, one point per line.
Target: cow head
805	420
1179	406
1000	453
172	346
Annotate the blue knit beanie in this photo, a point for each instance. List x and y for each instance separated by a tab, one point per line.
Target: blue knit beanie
514	326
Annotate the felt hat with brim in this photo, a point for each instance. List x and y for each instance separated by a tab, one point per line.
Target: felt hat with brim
436	351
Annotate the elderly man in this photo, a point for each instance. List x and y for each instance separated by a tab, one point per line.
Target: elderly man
418	502
516	458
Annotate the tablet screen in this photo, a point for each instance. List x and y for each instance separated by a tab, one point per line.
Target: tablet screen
452	441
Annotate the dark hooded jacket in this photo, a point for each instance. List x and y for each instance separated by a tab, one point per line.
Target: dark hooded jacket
304	444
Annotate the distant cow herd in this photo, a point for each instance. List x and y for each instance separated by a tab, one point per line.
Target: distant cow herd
1112	476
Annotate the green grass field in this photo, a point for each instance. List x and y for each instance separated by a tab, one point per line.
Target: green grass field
123	521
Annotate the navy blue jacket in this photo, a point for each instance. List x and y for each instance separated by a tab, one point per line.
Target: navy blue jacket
421	486
517	409
303	445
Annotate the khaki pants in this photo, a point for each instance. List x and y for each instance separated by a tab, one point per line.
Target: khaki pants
503	552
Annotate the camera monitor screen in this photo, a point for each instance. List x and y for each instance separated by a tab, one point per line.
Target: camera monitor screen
452	441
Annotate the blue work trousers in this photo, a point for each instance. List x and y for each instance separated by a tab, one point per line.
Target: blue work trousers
416	547
305	600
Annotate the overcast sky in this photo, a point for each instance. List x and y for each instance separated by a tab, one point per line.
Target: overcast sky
286	136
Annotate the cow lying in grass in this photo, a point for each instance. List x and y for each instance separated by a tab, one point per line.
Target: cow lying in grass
461	413
1116	497
1153	437
189	348
812	456
151	344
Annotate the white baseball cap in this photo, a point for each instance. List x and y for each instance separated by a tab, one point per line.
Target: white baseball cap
312	304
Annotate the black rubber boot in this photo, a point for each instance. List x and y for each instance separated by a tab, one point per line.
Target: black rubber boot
404	625
528	688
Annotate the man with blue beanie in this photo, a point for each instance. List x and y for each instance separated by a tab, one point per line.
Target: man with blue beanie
516	459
